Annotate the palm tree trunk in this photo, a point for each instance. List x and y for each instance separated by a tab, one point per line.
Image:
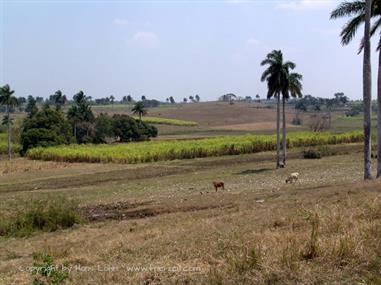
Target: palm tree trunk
284	143
367	93
75	132
379	116
278	132
9	134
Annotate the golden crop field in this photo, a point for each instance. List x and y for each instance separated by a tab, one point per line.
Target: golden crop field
150	151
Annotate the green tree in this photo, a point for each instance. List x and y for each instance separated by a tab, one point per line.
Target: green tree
80	117
59	99
172	100
294	89
361	12
31	106
139	109
112	100
276	75
47	127
197	98
103	128
128	129
9	101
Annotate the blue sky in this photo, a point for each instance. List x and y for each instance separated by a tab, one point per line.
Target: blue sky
172	48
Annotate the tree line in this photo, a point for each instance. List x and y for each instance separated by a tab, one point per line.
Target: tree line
49	125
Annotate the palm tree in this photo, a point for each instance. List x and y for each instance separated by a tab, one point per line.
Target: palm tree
9	101
362	11
294	88
112	100
59	99
367	93
139	109
276	76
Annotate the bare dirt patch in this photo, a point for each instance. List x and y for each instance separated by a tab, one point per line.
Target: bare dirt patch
139	210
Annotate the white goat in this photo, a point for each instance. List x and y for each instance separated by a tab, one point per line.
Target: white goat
293	177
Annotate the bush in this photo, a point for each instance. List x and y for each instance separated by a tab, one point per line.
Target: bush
311	154
41	215
45	272
318	153
297	121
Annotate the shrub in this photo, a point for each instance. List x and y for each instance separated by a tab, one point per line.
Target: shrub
45	272
318	153
297	121
41	215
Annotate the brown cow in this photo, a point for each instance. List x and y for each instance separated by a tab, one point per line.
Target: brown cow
218	184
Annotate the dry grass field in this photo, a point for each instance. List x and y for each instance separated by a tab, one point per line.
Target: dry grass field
163	223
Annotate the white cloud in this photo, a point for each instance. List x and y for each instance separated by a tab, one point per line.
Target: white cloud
305	4
144	40
120	22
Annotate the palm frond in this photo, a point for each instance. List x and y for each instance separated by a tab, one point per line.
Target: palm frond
350	29
347	9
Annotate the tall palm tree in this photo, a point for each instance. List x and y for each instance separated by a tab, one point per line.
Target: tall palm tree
59	99
139	109
276	76
362	11
294	88
367	93
9	101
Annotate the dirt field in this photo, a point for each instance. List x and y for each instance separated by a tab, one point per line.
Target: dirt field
163	223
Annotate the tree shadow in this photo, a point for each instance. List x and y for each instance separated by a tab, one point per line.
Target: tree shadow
253	171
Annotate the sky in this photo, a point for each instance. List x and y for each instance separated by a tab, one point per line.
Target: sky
173	48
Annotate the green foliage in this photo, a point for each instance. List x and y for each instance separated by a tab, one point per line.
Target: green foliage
171	122
139	109
47	127
47	215
4	146
185	149
319	152
45	272
355	110
81	117
297	121
31	106
128	129
103	128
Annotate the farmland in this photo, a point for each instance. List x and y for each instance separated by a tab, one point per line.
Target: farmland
257	230
186	149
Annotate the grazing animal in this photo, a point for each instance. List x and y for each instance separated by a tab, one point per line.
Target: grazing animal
293	177
219	184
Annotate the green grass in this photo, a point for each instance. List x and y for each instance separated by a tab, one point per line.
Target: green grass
185	149
4	145
48	214
165	121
